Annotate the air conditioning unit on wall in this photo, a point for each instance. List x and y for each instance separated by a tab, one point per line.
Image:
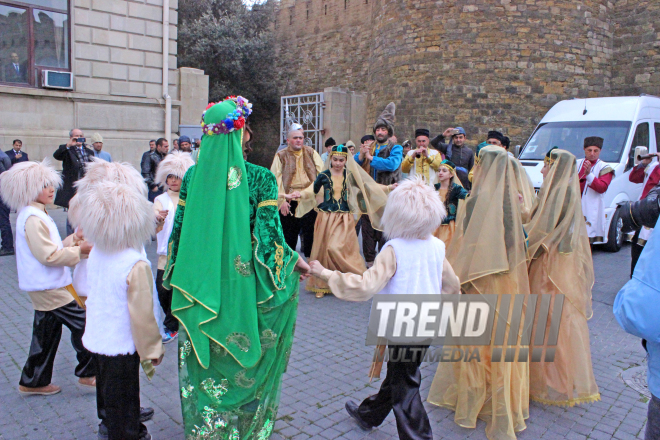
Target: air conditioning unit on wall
53	79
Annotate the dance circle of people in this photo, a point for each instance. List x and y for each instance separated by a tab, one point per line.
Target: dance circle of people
231	296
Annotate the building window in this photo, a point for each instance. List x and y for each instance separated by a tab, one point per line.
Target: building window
34	35
326	10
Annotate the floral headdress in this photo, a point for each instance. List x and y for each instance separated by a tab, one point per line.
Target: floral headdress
234	120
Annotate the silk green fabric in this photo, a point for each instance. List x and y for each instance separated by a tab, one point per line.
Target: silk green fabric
251	301
204	280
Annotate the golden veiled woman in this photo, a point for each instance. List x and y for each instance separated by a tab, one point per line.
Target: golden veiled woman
489	256
344	189
525	189
561	263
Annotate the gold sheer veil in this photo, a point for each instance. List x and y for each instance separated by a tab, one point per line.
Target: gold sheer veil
558	228
489	235
525	188
365	196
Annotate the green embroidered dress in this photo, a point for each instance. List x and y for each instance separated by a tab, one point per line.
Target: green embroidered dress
235	293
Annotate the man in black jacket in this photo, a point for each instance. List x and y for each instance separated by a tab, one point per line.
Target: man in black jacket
456	151
5	226
149	167
73	155
16	154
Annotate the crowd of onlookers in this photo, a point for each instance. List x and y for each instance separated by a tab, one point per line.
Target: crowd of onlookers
74	154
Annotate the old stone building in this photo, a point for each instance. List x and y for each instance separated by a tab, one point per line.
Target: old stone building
481	64
115	52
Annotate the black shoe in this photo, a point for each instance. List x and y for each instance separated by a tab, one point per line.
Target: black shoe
5	252
144	433
146	414
352	410
103	432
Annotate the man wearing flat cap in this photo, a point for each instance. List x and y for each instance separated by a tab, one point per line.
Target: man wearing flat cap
184	144
456	151
422	161
595	177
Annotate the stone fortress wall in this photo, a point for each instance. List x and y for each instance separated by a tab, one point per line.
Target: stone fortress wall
481	64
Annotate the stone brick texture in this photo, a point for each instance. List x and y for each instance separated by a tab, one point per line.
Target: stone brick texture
480	64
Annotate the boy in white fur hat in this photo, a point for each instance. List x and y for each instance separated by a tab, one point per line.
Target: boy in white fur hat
169	174
43	260
413	212
122	325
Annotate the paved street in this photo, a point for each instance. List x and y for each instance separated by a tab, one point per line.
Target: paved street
328	365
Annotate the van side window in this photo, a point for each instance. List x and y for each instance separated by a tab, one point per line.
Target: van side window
656	126
641	139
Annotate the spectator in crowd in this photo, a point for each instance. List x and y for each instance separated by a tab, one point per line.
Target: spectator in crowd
145	155
73	155
328	148
175	144
150	166
15	71
97	143
5	226
495	138
184	144
198	143
15	154
351	147
456	151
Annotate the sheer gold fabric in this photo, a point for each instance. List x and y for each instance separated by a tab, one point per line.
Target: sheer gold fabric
336	247
489	256
525	189
365	196
561	263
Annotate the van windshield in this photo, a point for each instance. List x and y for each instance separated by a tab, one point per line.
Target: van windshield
570	136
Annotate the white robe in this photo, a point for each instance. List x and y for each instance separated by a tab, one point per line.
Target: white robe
592	205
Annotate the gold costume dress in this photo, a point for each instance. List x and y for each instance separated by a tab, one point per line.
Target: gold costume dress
561	263
336	244
450	197
489	257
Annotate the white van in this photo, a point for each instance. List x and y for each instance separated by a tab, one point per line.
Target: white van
624	123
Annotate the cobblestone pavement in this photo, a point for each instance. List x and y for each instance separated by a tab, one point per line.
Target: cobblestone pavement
328	365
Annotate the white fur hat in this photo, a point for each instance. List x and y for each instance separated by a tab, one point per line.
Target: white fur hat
175	164
101	171
117	216
413	210
24	181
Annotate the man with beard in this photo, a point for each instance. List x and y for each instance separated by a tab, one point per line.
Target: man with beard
382	161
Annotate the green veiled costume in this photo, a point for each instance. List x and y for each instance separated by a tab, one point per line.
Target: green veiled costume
235	291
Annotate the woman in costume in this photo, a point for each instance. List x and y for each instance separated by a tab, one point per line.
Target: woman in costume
235	291
561	263
451	191
489	257
336	245
525	189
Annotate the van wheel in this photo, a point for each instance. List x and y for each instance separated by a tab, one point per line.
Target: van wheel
615	235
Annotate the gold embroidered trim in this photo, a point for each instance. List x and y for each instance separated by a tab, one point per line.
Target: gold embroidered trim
181	202
569	402
279	260
267	203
